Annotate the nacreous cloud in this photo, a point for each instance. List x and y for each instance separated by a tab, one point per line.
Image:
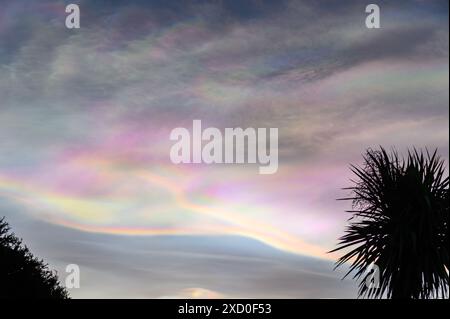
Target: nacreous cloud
85	115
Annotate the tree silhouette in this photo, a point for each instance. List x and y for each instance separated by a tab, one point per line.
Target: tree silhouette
21	274
400	224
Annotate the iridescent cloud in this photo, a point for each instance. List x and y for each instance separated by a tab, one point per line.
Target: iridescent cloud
85	115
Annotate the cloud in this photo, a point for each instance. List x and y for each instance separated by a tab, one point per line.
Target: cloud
180	267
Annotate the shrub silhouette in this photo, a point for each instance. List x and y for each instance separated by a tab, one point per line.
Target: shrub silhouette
21	274
400	223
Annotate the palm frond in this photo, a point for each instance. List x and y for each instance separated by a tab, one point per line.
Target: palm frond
400	223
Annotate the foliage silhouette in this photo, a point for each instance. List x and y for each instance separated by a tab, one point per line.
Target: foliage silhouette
21	274
400	223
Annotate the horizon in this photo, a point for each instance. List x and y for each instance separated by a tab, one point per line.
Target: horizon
86	116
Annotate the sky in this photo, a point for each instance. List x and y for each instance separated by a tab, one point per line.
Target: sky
86	114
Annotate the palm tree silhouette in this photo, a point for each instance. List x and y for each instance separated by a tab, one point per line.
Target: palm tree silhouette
400	224
21	274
